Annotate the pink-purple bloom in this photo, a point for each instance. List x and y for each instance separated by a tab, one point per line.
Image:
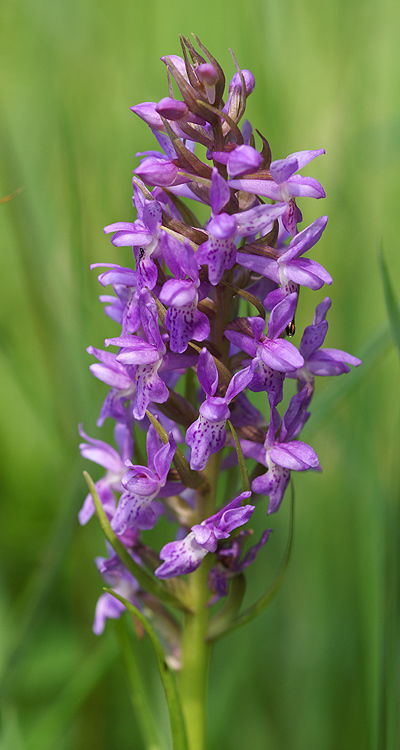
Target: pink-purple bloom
144	483
285	185
205	310
186	555
282	453
207	434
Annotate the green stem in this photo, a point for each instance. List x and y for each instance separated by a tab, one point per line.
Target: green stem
196	649
196	656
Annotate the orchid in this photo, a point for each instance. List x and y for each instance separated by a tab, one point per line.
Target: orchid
280	454
285	185
205	315
207	434
186	555
143	483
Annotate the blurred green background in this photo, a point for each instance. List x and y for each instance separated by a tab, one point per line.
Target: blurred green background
320	668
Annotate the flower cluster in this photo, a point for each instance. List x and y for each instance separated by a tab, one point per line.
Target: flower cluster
194	340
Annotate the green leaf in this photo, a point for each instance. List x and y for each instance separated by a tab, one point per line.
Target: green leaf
391	301
222	621
137	689
144	579
252	612
178	729
242	463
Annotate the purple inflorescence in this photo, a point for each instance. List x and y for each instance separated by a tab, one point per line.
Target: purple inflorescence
205	313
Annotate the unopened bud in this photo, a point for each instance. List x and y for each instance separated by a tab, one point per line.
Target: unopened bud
248	79
243	159
208	77
172	109
153	171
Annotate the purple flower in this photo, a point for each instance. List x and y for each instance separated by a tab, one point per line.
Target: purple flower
145	356
231	563
183	320
159	170
240	160
282	454
289	269
207	434
112	460
219	251
122	581
317	361
143	235
272	356
236	82
143	484
237	97
185	556
248	256
285	185
123	308
147	111
111	371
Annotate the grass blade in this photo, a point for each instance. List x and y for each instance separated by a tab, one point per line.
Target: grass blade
391	302
168	679
137	690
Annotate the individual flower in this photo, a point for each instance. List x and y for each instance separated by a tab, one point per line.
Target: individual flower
112	460
144	483
232	562
285	185
185	555
272	356
239	160
123	583
288	268
145	356
219	251
317	361
281	452
123	308
183	320
207	434
142	235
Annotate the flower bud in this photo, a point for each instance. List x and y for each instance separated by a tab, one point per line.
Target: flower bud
161	172
208	77
243	159
172	109
178	62
248	79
